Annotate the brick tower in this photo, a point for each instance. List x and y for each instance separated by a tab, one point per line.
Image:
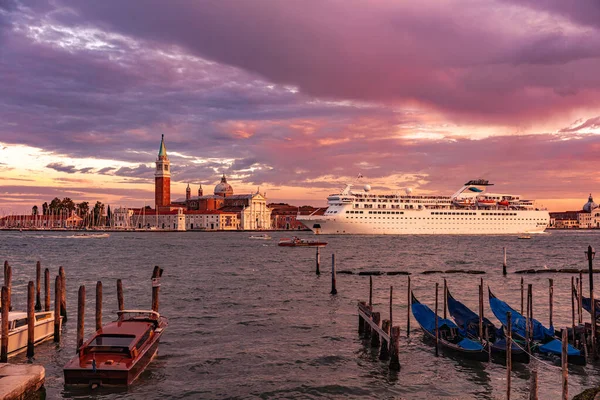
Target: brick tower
162	178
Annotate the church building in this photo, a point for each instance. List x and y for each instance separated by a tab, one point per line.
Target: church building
222	210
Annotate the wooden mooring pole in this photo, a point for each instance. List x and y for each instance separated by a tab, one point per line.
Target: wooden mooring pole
565	368
504	264
533	384
590	256
580	298
57	294
4	327
370	291
8	284
522	296
394	348
63	293
437	333
384	352
38	286
375	342
46	289
80	316
155	287
120	300
408	302
445	297
333	288
30	319
391	303
98	305
508	353
551	300
361	320
318	261
529	316
481	309
573	308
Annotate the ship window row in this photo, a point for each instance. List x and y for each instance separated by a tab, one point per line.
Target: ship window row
387	212
503	213
354	212
452	213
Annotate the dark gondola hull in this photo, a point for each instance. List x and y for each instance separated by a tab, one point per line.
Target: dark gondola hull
469	320
447	347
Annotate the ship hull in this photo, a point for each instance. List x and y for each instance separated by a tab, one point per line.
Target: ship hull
430	222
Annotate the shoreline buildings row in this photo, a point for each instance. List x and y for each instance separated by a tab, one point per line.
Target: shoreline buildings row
222	210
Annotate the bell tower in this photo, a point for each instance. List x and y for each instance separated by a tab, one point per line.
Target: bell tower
162	177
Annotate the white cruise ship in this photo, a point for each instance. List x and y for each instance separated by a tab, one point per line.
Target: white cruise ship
472	210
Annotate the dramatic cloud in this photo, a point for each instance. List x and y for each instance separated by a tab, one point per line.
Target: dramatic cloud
302	94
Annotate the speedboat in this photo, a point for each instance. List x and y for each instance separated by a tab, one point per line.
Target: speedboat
297	242
524	236
17	330
118	352
260	237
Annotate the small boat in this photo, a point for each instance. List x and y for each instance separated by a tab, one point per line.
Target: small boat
504	203
524	236
486	202
544	340
260	237
468	321
91	236
450	339
297	242
17	330
462	202
118	352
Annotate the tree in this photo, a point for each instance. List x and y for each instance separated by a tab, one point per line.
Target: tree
34	210
97	213
54	206
45	208
108	216
83	208
67	205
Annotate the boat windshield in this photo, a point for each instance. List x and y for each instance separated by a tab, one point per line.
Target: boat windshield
110	344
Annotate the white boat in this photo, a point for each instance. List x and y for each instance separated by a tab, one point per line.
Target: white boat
260	237
17	330
472	210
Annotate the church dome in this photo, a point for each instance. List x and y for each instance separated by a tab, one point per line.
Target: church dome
590	205
223	189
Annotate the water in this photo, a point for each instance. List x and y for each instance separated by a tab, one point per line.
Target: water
250	319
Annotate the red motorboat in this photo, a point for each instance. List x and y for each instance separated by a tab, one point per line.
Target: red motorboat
119	351
297	242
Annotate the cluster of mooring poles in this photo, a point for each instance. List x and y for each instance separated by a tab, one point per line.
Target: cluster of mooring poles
382	333
33	304
156	274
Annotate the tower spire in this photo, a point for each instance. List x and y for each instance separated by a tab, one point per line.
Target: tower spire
162	151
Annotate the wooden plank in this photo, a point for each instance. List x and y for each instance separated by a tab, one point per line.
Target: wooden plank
374	326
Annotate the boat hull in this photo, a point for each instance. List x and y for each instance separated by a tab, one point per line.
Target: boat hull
429	222
110	376
17	338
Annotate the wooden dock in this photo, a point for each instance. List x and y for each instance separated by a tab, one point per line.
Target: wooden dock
18	381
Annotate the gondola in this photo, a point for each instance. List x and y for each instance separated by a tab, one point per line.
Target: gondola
587	304
450	340
544	340
468	322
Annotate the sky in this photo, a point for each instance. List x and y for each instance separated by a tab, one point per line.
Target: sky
296	98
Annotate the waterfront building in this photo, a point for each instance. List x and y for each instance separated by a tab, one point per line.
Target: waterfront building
586	218
283	215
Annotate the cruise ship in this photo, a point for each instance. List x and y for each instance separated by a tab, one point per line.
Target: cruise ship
472	210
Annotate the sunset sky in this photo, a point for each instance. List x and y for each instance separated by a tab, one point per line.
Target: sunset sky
298	97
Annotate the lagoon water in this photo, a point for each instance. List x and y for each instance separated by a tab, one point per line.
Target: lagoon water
249	319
